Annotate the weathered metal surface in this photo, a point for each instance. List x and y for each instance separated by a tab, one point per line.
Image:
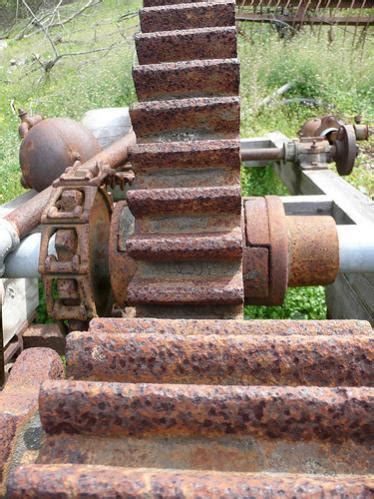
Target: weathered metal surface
265	233
181	17
122	267
221	359
256	274
173	201
28	216
186	79
186	247
44	335
27	122
295	413
53	481
50	147
186	119
18	400
186	45
78	215
230	327
313	250
203	290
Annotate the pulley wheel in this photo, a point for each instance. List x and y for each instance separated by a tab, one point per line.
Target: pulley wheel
345	149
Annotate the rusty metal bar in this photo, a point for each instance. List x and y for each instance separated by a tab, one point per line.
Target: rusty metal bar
320	4
271	154
53	481
26	217
290	19
125	409
217	359
232	327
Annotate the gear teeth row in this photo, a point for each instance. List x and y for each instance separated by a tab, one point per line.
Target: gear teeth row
265	404
186	198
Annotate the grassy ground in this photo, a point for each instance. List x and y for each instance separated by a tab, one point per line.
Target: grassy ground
324	69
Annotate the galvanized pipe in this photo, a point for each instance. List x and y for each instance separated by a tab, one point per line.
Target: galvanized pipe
24	261
356	248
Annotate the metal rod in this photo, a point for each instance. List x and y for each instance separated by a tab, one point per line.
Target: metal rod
268	153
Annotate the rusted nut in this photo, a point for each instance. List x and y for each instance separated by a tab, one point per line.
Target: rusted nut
96	482
122	267
313	250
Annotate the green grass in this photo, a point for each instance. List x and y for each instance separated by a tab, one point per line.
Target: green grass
340	79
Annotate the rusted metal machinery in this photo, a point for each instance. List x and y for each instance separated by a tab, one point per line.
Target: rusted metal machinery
355	17
185	404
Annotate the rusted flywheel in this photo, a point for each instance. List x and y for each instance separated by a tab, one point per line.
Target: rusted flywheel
192	407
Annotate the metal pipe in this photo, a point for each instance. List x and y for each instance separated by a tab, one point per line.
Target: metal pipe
115	155
24	261
268	153
356	248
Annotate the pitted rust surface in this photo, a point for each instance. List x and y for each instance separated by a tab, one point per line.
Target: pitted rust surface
231	327
218	359
294	413
255	273
313	250
18	399
180	17
208	78
186	119
52	481
226	246
203	291
196	155
186	45
122	267
182	201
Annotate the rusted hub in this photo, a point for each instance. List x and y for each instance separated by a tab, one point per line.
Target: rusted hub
51	146
281	251
265	256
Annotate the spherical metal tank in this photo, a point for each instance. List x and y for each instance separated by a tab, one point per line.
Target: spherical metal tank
50	147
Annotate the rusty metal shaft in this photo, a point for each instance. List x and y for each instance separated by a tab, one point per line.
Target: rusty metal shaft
220	359
126	409
96	482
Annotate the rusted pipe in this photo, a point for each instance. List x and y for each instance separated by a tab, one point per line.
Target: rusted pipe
113	156
313	250
269	153
27	217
